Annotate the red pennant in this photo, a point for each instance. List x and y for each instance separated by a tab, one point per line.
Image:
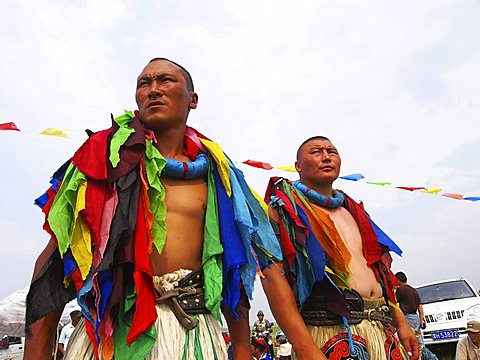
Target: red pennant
410	188
258	164
9	126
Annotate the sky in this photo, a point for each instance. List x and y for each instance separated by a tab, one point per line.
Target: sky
394	85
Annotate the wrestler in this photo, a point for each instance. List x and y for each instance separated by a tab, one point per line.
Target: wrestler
154	231
337	262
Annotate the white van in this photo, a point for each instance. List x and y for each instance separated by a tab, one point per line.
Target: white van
447	306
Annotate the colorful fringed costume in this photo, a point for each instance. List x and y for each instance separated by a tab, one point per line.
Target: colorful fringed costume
106	211
318	270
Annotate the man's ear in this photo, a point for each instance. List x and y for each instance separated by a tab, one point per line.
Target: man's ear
193	101
297	167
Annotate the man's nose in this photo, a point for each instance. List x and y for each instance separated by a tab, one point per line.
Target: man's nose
155	90
325	156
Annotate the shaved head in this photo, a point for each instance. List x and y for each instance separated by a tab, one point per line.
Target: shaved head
186	74
318	137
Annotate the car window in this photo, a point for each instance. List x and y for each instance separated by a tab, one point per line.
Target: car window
445	291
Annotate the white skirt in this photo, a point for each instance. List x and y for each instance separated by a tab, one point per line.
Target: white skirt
173	340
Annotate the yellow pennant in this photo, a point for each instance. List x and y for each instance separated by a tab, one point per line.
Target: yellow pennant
289	168
54	132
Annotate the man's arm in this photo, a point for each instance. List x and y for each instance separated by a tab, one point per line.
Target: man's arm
421	315
239	332
284	308
61	348
39	343
405	333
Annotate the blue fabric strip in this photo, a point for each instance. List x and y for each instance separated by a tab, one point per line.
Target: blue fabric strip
304	275
105	282
234	252
316	254
81	298
57	177
254	226
385	240
69	263
41	200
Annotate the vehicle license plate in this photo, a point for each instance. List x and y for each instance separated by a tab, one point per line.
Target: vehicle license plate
445	334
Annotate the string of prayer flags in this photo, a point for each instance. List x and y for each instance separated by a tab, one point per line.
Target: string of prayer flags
9	126
61	132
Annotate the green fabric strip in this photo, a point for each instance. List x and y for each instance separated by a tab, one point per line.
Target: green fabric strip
60	217
144	344
185	346
212	251
120	136
211	340
154	164
197	346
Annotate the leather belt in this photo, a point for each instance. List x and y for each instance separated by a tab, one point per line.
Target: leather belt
186	299
325	318
314	310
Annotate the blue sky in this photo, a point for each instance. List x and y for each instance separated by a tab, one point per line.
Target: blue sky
395	85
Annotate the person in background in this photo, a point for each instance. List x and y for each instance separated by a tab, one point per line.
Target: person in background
468	348
284	350
261	324
259	349
412	308
75	317
338	262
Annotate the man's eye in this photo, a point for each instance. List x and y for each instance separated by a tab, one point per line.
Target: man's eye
142	83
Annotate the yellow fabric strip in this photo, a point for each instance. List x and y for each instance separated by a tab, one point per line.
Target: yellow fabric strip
81	243
222	163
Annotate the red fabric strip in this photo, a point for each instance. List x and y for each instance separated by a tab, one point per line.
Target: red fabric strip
92	214
91	157
372	251
91	335
287	247
145	313
185	170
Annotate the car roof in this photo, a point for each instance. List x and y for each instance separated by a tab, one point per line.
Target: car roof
443	282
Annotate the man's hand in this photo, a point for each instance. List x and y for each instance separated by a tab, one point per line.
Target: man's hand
408	339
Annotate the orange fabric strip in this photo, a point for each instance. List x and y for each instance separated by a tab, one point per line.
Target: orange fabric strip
327	235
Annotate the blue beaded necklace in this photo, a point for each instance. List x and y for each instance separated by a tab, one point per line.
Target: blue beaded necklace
329	202
186	170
